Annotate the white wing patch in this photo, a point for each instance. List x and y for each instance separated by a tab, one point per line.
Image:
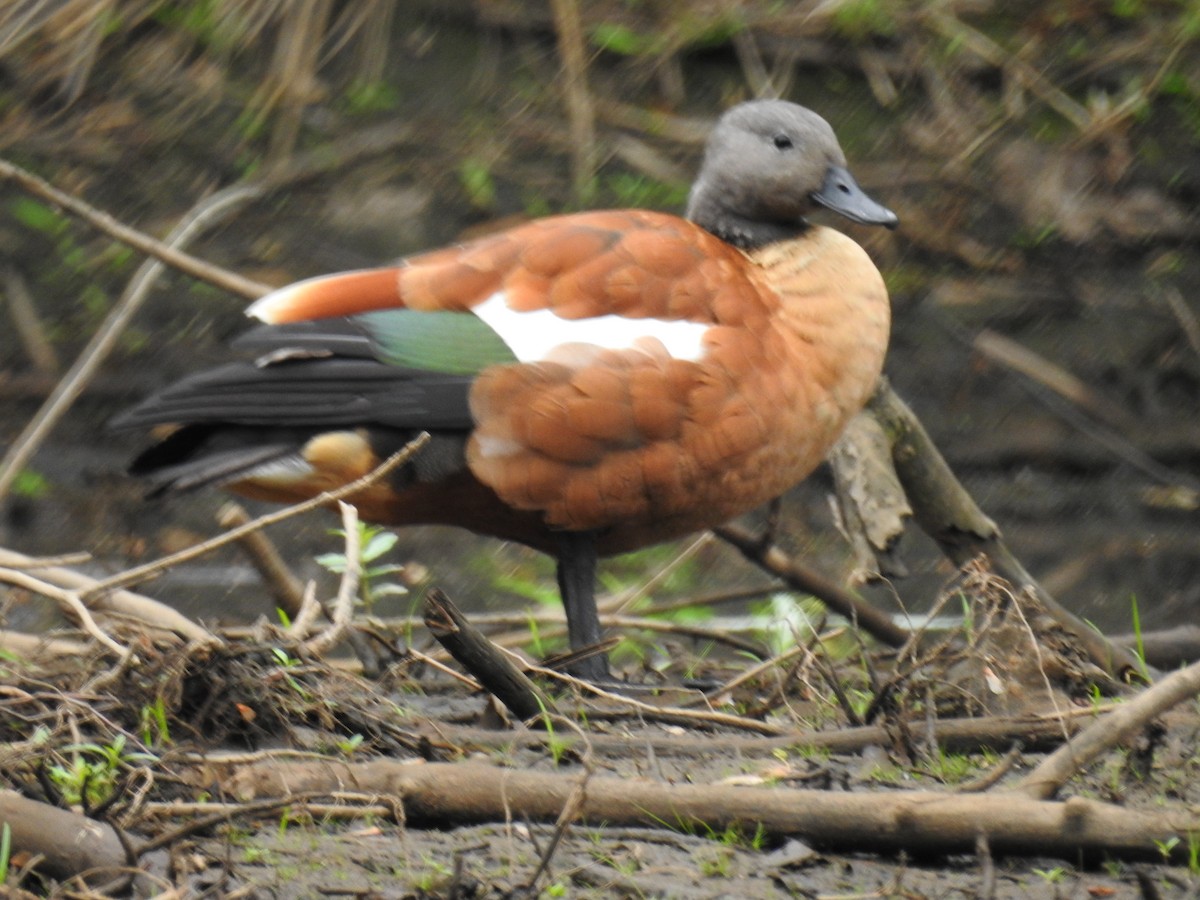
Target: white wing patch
532	336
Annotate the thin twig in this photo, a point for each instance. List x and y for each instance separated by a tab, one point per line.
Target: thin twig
689	715
343	607
573	807
102	342
27	324
146	610
580	109
68	599
302	621
102	221
285	587
139	574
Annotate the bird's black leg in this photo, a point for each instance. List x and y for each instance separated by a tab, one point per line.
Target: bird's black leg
577	584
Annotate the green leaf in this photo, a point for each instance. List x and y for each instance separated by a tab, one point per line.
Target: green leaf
378	545
334	562
38	216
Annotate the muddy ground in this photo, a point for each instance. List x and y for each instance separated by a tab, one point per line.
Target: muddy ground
1044	166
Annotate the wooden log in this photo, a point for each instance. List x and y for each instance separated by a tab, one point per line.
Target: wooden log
451	794
69	843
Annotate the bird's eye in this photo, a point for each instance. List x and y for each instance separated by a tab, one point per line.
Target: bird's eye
782	142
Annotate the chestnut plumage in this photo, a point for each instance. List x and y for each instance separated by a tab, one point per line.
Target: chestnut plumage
594	383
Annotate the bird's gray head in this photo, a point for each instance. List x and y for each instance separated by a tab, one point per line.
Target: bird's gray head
766	165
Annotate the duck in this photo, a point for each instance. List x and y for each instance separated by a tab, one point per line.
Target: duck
592	383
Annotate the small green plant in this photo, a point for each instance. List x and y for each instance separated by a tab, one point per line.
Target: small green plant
476	179
38	216
5	851
349	745
429	880
373	542
861	19
91	776
950	768
30	484
716	863
1166	846
1051	876
1140	648
1194	852
557	745
364	97
156	730
287	662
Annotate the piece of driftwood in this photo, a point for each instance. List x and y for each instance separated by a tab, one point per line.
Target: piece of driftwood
490	665
69	843
119	602
1113	728
947	513
451	794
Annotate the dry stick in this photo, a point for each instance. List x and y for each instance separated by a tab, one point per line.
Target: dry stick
1108	731
70	602
949	515
1036	733
989	51
126	603
1013	355
672	713
483	659
283	585
343	607
139	574
102	342
844	602
306	615
580	112
27	325
225	811
102	221
572	807
451	794
1188	322
36	646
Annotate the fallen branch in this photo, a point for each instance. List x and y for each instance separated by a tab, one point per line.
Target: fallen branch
70	844
952	735
948	514
483	659
38	646
879	625
1108	731
145	610
69	603
451	794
